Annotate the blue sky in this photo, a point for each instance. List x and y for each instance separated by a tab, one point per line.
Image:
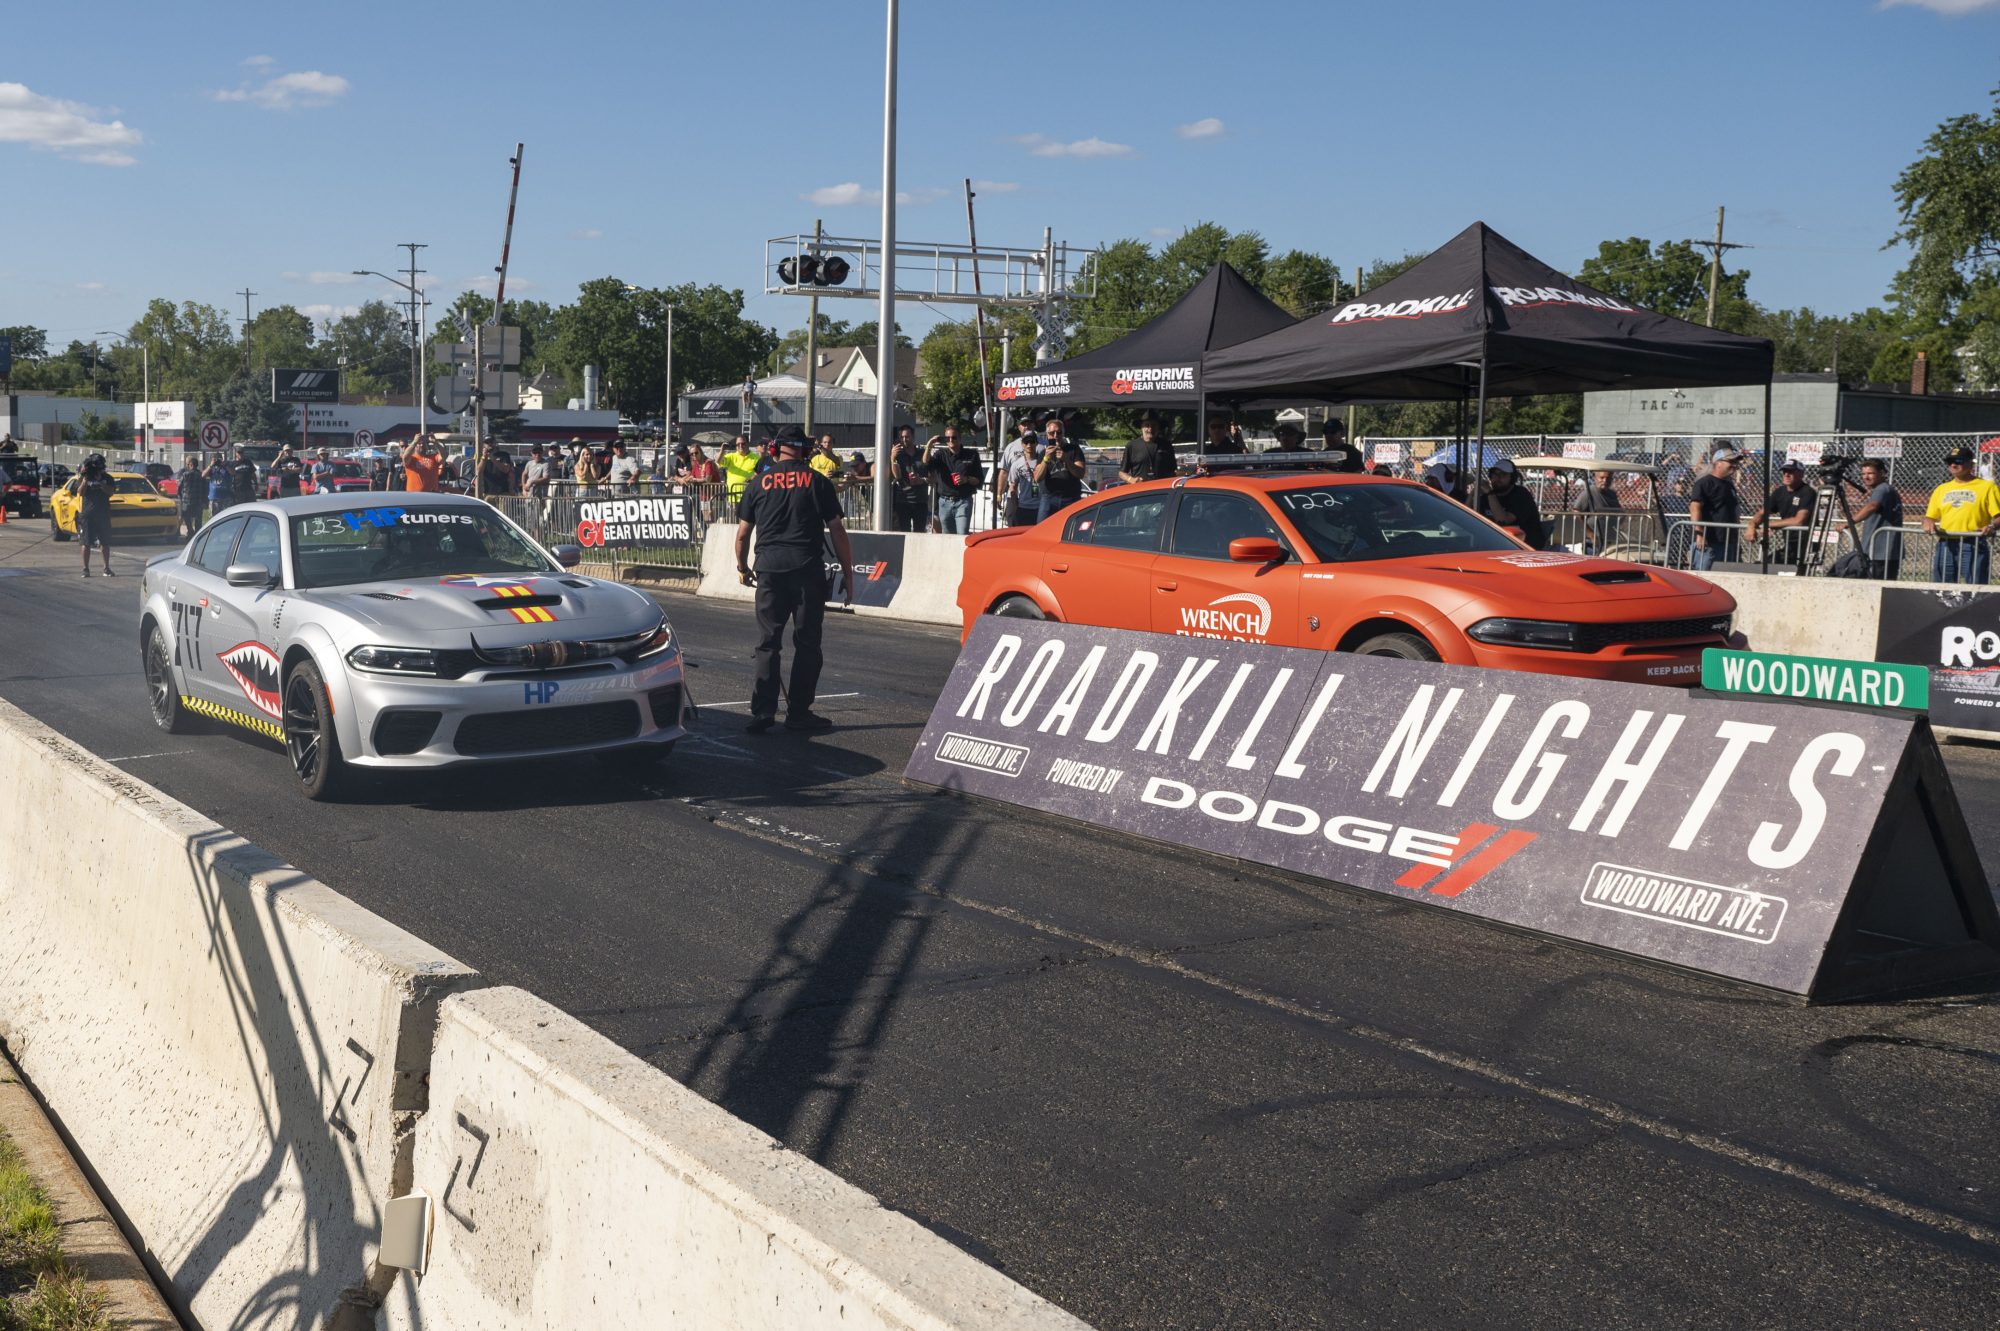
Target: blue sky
190	150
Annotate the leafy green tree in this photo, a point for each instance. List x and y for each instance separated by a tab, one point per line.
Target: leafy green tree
792	346
868	333
1950	203
1184	260
194	351
952	389
282	338
1303	283
624	333
92	428
245	402
30	343
1671	278
373	345
1127	291
1388	270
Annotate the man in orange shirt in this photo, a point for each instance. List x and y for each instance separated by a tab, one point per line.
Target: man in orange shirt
423	468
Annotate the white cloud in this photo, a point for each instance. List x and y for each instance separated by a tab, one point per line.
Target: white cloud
995	186
318	312
587	233
286	92
68	129
258	61
1166	231
851	193
90	286
488	284
1950	8
1206	128
1043	146
324	279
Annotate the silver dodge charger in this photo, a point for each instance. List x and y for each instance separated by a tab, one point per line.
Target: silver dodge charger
404	631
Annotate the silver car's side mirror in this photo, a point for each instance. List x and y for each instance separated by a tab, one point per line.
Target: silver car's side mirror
248	575
569	556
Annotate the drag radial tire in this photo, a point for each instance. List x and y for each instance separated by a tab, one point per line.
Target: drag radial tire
1018	607
1408	646
158	663
56	533
310	740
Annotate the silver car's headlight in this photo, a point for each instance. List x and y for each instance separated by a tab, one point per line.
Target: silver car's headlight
394	660
661	639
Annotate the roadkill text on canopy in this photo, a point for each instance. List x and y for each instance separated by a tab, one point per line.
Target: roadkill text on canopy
1518	798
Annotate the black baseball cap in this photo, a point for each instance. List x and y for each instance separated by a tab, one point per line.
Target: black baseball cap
1960	455
1793	464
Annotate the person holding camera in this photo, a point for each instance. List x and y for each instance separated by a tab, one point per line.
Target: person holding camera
423	467
957	472
909	484
1061	469
93	520
1020	502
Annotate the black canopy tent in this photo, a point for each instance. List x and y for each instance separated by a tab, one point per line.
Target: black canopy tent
1483	317
1159	363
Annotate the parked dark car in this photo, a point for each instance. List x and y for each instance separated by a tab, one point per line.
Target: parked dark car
22	495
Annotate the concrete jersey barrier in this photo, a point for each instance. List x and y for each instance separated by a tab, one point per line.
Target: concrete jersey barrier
236	1050
574	1185
927	581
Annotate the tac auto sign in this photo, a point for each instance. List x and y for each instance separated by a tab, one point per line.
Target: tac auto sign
1812	850
651	521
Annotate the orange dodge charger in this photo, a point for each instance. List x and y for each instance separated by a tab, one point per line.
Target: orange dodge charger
1350	563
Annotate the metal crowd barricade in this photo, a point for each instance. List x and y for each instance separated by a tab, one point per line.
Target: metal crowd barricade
1633	535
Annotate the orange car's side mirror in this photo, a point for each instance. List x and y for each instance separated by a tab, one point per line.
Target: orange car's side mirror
1256	550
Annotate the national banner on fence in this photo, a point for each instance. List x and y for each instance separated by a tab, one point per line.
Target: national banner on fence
1716	834
650	520
1957	635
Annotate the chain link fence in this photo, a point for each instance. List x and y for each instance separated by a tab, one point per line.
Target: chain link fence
1914	464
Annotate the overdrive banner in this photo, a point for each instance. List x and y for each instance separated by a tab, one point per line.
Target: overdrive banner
652	520
1772	843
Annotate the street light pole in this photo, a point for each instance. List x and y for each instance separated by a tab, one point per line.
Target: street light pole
667	421
420	308
885	332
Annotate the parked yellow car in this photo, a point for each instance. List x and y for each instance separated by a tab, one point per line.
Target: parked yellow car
138	510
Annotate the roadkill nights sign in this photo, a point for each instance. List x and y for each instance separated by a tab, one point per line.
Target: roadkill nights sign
1721	835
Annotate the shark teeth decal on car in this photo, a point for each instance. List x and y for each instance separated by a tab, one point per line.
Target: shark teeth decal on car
255	669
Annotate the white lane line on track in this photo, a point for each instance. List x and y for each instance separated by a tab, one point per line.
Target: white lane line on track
1604	1110
133	758
745	702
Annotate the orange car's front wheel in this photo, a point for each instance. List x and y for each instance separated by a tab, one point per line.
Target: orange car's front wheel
1408	646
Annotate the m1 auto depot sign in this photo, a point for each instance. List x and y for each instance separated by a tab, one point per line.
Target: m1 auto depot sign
1735	837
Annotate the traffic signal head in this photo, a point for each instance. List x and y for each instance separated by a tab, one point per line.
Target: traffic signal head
808	270
832	271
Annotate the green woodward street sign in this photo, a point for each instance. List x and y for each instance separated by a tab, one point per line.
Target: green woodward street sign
1869	683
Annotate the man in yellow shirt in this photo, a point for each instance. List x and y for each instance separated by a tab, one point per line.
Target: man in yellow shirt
1962	514
739	464
824	460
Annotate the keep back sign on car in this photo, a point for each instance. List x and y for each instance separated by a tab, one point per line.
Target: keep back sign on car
1726	836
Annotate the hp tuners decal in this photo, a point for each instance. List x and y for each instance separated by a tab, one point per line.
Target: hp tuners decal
1219	618
254	667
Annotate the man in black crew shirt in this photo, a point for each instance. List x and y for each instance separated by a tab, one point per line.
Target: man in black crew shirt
792	509
243	479
1150	457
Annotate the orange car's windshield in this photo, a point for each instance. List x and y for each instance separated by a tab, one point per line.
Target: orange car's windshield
1349	523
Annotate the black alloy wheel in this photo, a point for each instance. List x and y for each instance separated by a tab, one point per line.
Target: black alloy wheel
310	740
1018	607
169	713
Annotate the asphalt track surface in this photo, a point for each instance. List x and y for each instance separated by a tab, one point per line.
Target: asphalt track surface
1160	1092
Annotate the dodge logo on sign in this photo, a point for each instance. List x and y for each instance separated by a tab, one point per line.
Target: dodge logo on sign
1724	835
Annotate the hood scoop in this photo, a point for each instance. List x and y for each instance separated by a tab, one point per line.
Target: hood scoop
1612	576
515	602
385	596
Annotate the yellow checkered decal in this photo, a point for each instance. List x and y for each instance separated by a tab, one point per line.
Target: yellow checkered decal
216	711
526	614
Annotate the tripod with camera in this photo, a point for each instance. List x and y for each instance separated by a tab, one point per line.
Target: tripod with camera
1833	476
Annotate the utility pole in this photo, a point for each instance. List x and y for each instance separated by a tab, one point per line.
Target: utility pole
1715	248
812	342
246	293
885	332
416	326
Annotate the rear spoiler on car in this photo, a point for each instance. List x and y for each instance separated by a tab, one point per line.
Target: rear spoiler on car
978	536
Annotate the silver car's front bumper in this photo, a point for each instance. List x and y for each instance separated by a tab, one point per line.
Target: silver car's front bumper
390	721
